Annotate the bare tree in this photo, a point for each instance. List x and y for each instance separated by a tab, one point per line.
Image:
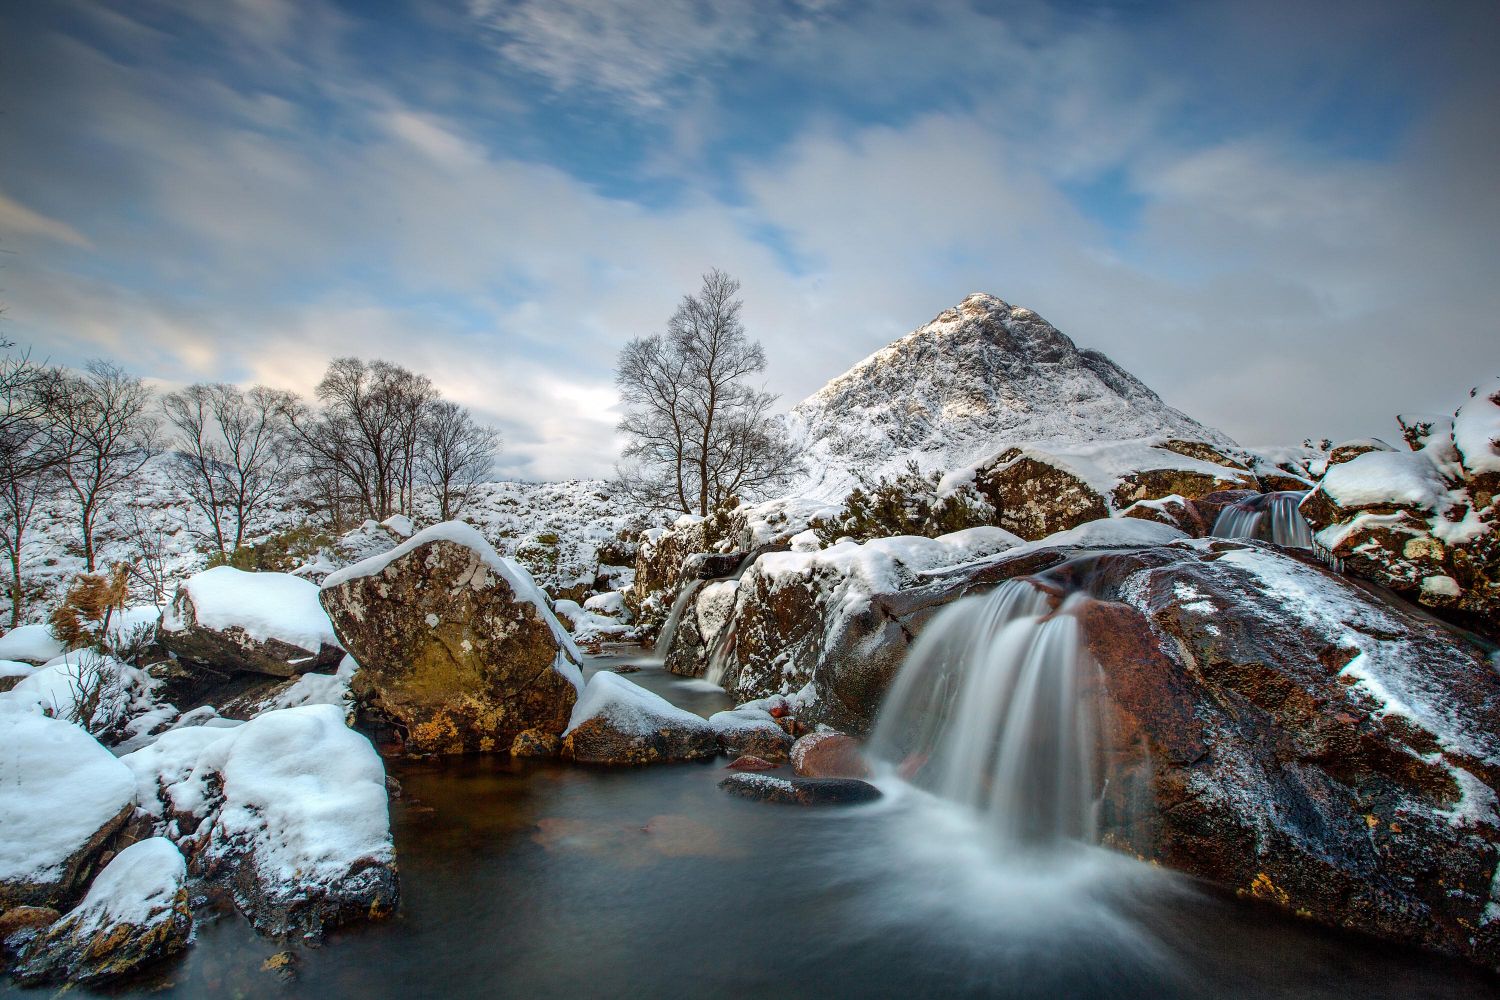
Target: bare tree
697	432
232	453
150	548
456	454
108	432
31	453
366	435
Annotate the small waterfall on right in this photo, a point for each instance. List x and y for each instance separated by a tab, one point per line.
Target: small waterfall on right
1273	517
990	710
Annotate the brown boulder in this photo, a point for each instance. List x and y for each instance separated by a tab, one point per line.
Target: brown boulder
618	722
218	618
456	645
752	731
829	755
1035	499
1176	511
800	791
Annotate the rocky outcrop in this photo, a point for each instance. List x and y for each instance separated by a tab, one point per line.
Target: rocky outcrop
260	623
63	797
618	722
1425	523
1040	490
457	647
1299	740
1179	512
136	912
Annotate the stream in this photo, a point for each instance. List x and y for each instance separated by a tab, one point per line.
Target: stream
544	879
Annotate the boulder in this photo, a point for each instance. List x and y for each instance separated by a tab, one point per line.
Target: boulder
800	791
19	926
32	644
752	731
535	743
1035	497
63	796
749	763
1348	451
259	623
829	754
1211	505
619	722
287	811
136	912
1179	512
658	568
457	647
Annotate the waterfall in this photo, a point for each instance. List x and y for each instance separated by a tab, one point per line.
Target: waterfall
1273	517
669	628
987	711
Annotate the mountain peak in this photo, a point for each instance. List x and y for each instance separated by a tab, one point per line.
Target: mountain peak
979	377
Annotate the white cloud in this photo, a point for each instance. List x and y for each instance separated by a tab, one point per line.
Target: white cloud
17	219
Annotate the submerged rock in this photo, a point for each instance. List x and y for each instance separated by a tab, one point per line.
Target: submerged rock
62	797
456	645
259	623
619	722
135	912
800	791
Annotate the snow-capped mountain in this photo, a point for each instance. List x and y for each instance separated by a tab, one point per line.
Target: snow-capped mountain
980	377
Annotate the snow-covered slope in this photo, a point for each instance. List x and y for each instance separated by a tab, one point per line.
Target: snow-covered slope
980	377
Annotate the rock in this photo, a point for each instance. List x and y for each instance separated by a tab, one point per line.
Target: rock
535	743
262	623
829	755
619	722
135	912
658	569
1348	451
800	791
19	926
1424	523
288	811
32	644
62	797
752	731
1300	740
1043	489
750	763
456	645
1179	512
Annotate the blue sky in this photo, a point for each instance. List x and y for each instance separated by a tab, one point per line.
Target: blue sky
1280	216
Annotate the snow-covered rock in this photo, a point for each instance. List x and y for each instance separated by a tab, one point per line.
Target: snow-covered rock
457	646
751	730
982	376
30	644
1425	522
62	796
135	912
288	810
269	623
112	700
619	722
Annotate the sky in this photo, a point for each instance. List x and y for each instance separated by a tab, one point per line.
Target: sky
1280	216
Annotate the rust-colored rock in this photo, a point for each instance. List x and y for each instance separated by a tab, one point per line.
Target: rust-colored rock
748	762
829	755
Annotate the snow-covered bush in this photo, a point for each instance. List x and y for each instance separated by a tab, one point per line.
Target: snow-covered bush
912	503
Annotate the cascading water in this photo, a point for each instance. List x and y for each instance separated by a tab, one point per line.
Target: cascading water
989	711
1274	517
689	591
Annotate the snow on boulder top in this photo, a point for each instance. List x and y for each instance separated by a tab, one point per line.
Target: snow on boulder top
308	790
58	788
627	707
1386	477
466	535
31	643
1113	532
980	377
140	885
1476	429
265	605
399	525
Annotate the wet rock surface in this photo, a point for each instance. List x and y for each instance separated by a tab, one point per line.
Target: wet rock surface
829	755
800	791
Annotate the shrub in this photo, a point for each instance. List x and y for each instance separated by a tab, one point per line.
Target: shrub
281	552
910	504
82	619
